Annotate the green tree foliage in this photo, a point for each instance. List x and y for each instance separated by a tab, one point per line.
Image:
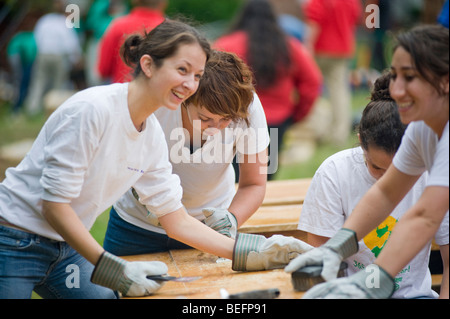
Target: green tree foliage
204	11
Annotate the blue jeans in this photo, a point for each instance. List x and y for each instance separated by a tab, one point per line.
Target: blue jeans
124	239
51	268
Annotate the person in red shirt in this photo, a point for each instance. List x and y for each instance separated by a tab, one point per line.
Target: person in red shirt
288	80
332	32
146	15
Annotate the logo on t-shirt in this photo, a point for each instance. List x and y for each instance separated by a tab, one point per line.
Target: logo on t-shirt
378	238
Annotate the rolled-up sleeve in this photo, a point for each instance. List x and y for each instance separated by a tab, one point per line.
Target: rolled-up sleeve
159	189
70	141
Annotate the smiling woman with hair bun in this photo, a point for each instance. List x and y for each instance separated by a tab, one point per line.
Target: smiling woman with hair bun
91	150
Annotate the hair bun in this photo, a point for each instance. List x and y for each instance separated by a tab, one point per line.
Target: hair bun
380	90
130	50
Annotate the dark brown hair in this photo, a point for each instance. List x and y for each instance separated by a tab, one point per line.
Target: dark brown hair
268	52
428	47
380	124
226	88
161	43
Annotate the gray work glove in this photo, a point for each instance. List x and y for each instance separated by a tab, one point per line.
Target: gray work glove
129	278
341	246
256	252
372	284
221	220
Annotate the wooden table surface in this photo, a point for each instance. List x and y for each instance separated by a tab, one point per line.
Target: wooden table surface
278	214
216	273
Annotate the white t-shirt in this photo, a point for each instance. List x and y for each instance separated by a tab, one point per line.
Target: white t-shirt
337	187
207	176
89	154
421	150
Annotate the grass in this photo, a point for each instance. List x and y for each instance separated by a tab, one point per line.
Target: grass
323	151
307	169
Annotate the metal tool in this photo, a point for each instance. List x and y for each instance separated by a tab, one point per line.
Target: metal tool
172	278
305	278
254	294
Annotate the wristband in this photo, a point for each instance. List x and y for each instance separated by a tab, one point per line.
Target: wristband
109	272
345	243
244	244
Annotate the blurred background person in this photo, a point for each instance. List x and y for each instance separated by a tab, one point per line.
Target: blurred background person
101	13
288	80
290	17
22	53
144	16
331	39
58	52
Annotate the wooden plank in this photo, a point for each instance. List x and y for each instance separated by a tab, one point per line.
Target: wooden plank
436	280
286	192
281	218
216	273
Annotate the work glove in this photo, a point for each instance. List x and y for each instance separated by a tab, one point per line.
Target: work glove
365	284
129	278
221	220
256	252
341	246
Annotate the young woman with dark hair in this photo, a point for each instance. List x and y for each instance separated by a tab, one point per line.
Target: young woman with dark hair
91	150
420	87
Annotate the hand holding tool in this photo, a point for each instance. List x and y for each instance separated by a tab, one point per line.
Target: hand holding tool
330	255
309	276
129	278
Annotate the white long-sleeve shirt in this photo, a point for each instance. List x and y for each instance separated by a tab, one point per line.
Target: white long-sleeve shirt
88	154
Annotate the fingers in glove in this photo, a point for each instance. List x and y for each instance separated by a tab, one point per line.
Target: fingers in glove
306	259
154	268
331	265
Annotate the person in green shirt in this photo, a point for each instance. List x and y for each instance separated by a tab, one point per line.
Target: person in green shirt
21	52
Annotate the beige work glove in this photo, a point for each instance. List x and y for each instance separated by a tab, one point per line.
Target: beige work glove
256	252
